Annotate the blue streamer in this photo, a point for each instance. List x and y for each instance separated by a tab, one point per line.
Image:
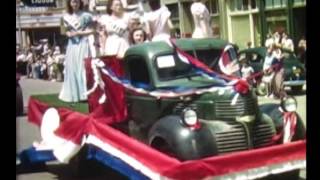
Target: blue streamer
32	156
115	163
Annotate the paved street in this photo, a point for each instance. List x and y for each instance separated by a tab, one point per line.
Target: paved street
27	133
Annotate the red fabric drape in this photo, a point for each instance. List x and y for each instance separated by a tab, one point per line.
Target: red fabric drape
74	125
36	109
234	162
114	109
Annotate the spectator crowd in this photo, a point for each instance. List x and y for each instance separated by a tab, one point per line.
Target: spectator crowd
40	61
273	70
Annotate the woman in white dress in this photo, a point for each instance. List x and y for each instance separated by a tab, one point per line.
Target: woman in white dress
116	26
159	25
79	26
201	18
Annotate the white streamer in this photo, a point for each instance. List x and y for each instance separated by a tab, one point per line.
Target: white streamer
95	64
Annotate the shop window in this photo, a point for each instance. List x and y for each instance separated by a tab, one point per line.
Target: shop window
298	2
253	4
173	8
213	6
242	5
276	3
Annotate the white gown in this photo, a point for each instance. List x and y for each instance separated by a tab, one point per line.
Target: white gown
117	35
201	15
158	21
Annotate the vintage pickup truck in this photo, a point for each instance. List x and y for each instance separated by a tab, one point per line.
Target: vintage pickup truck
185	122
169	124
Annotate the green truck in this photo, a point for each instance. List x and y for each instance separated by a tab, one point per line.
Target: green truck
197	125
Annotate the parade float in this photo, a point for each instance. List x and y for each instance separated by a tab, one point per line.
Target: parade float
161	113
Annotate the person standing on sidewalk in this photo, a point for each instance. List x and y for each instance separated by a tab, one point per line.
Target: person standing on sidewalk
277	83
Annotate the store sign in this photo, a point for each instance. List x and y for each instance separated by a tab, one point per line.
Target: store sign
38	3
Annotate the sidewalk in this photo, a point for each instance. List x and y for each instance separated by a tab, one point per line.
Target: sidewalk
36	86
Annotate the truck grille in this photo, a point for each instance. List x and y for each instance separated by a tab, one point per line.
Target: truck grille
235	139
243	106
262	135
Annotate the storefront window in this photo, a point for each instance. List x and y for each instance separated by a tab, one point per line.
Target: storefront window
242	5
213	6
60	3
297	2
173	8
276	3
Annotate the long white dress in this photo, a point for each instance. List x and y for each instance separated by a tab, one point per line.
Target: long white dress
117	34
158	23
201	18
74	86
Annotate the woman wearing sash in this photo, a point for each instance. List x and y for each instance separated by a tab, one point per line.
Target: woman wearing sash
116	24
78	28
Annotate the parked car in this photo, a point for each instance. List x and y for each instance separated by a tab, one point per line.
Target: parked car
19	97
198	125
295	73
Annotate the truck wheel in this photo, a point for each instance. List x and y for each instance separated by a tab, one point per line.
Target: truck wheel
162	146
296	88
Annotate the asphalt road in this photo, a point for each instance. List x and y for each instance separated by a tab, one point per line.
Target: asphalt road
27	133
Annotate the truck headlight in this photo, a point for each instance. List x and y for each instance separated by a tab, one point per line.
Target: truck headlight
189	117
289	104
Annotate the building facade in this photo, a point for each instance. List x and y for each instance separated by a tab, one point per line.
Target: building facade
241	21
35	22
38	22
238	21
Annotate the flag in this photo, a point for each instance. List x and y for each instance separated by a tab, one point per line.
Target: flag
226	64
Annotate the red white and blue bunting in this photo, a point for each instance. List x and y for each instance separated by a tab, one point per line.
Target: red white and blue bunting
228	82
136	160
64	132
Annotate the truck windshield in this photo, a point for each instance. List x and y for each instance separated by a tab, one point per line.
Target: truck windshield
172	67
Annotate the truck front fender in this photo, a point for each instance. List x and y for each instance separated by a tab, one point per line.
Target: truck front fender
276	115
171	136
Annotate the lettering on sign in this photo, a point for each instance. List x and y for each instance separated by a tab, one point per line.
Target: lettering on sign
41	1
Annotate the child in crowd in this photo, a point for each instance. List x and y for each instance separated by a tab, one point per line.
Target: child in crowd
246	69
